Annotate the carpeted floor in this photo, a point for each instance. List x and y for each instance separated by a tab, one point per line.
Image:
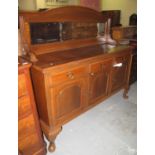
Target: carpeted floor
110	128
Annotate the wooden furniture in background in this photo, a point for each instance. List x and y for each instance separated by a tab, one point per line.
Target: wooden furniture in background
124	32
30	138
114	15
128	33
72	76
133	19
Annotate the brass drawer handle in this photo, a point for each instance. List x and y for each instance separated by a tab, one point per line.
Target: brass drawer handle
70	75
118	65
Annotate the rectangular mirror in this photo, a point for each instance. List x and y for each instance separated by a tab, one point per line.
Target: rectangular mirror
56	31
44	32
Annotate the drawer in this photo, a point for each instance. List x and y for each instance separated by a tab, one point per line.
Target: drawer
26	127
22	88
101	66
122	58
68	75
24	106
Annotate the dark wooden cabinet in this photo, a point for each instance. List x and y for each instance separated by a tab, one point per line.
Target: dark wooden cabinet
73	75
67	90
30	138
114	15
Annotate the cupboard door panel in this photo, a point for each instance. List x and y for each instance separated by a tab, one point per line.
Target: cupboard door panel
98	86
119	73
99	80
68	98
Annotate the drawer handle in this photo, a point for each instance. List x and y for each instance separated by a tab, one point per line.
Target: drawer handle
92	74
70	75
118	65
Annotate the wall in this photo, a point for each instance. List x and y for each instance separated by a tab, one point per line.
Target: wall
127	7
27	4
94	4
38	4
42	4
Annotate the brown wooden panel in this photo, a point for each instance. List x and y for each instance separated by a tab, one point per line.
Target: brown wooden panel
28	143
68	99
101	66
99	80
24	106
61	14
22	88
40	94
26	127
96	68
98	86
78	30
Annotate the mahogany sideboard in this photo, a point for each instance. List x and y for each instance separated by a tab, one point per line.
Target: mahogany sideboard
74	70
30	139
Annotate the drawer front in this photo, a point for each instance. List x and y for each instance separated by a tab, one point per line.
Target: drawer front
121	59
68	75
22	88
26	127
101	66
29	144
24	106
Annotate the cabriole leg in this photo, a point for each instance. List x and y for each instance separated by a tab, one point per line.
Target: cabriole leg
52	137
125	93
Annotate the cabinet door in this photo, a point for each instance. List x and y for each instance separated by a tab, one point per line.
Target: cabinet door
98	86
98	81
68	99
119	72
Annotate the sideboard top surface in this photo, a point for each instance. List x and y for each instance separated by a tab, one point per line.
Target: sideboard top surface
73	55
